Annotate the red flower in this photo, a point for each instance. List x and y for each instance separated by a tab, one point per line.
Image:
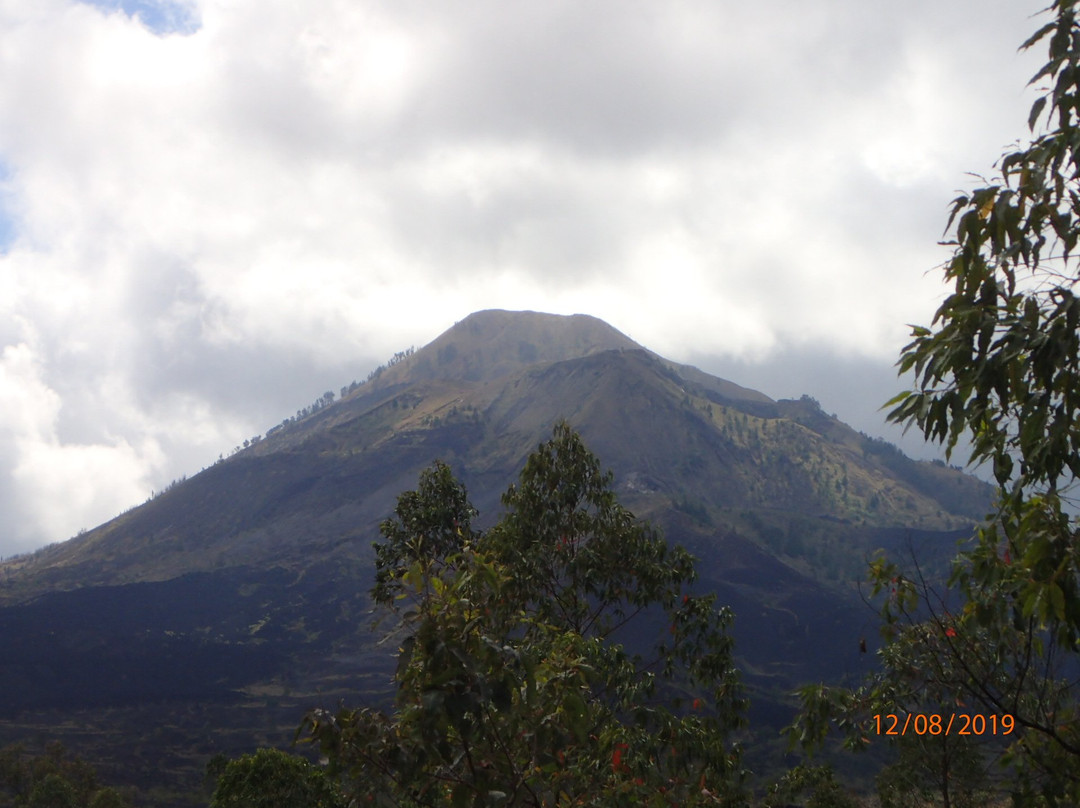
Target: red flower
950	632
616	757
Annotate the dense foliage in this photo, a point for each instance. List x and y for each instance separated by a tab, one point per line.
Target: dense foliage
53	779
513	687
999	367
270	778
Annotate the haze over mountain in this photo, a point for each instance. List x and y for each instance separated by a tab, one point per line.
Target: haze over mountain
241	593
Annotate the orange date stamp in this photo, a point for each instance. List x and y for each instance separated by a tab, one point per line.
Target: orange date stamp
950	724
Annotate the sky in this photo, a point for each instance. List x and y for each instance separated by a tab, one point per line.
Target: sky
212	211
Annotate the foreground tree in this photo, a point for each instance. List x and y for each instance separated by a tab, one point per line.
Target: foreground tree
513	687
270	778
1000	367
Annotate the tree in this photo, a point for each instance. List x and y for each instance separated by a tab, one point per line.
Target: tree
108	798
52	779
933	763
270	778
816	783
430	527
52	791
512	688
932	766
1000	366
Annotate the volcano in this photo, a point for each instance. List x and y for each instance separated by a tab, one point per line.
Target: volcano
211	617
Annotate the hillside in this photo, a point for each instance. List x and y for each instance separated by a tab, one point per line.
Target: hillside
481	396
241	592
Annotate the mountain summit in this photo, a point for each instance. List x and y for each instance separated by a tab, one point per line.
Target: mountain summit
493	343
246	586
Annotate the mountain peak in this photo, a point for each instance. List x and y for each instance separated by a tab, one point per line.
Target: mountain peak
495	342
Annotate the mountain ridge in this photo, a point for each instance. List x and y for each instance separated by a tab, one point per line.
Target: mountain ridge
625	387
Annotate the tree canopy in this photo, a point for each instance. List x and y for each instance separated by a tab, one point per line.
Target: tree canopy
270	778
52	779
512	686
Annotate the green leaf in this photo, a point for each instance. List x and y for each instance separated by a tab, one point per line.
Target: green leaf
1057	601
1042	32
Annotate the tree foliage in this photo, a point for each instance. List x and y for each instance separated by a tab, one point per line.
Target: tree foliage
53	779
270	778
512	686
999	367
816	784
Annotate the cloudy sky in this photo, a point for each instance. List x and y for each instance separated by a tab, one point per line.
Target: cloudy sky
211	211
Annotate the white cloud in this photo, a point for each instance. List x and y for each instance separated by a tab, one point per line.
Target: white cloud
50	488
216	210
29	406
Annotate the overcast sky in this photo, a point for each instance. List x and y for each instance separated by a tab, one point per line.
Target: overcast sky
211	211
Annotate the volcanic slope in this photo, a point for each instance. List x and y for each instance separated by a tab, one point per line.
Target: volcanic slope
241	593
